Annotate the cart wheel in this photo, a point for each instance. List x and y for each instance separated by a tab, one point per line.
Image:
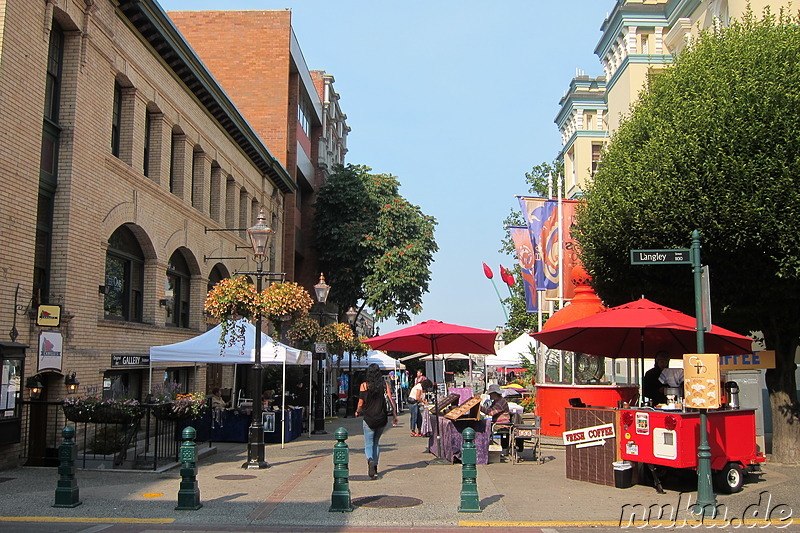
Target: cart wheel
730	479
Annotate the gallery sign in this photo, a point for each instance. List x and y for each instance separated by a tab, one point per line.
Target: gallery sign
124	360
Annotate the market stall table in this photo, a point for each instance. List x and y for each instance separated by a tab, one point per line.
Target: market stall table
452	440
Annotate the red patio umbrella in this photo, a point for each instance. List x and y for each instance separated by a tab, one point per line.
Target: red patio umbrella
436	338
641	328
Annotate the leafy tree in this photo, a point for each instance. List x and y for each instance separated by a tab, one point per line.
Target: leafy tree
373	245
712	145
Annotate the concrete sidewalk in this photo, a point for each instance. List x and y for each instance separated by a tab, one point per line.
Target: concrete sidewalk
296	490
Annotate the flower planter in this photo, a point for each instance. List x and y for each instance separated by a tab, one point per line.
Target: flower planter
78	412
173	411
112	414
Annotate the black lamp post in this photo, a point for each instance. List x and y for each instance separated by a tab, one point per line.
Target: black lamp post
351	315
321	290
259	237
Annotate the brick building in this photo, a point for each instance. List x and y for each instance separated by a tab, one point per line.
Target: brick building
293	109
119	150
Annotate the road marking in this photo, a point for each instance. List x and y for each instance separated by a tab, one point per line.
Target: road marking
91	520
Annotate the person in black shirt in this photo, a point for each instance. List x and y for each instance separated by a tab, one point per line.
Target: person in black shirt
651	386
372	405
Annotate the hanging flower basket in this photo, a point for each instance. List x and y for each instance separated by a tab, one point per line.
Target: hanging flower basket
117	412
229	301
78	412
184	407
282	302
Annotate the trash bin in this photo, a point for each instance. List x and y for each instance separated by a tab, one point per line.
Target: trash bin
623	474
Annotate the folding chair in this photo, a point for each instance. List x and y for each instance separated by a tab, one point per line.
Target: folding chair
525	436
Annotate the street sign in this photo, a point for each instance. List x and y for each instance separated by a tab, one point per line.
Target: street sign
673	256
320	347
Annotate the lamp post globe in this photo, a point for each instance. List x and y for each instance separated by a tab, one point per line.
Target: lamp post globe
259	235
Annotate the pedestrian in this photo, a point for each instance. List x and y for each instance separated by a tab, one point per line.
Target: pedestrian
416	399
372	405
420	377
652	387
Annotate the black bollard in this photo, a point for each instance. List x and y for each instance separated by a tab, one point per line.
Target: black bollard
67	489
470	503
189	493
340	498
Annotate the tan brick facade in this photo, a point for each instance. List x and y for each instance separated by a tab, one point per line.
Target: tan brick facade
216	182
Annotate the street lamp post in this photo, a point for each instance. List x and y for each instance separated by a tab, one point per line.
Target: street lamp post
259	237
321	290
351	314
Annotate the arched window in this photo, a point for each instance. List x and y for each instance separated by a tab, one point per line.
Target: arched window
124	284
177	291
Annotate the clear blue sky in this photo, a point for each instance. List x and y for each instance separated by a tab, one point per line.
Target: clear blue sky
457	99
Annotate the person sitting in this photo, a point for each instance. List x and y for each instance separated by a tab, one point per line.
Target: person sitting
496	406
217	405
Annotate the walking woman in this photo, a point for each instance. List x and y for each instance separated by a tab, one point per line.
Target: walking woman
416	399
372	405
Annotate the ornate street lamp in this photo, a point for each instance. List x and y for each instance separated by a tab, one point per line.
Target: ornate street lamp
34	384
321	290
259	235
72	383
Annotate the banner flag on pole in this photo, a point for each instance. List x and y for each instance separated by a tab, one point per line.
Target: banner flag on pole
541	216
536	211
527	262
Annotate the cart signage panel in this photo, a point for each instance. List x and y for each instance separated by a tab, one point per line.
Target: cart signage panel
589	436
701	380
674	256
750	361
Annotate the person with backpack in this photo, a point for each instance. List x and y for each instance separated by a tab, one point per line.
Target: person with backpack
374	395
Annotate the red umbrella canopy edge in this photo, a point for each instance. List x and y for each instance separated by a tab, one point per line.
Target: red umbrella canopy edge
640	329
435	337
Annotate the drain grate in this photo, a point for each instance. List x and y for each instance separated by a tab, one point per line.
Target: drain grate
235	477
386	502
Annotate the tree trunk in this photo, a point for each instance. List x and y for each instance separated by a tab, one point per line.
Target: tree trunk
783	401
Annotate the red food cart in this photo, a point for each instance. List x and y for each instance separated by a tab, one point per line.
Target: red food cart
670	438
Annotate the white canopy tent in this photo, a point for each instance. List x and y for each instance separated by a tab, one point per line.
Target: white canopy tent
205	348
373	356
512	353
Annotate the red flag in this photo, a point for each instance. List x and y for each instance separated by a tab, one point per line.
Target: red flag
487	271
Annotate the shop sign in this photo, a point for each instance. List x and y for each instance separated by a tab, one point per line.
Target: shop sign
48	315
591	436
750	361
50	351
701	380
121	360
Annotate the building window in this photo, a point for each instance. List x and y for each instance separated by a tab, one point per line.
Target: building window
116	119
124	283
10	387
303	112
148	117
48	166
177	291
596	151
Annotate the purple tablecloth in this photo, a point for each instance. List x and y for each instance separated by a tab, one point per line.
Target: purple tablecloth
451	438
464	393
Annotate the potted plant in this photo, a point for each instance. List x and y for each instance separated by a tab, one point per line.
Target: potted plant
79	408
283	302
117	411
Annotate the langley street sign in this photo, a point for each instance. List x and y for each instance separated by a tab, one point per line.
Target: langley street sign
661	257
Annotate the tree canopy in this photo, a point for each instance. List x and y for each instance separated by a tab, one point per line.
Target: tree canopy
374	246
712	145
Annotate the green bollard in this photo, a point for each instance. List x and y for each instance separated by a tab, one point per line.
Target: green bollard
469	474
189	493
67	489
340	497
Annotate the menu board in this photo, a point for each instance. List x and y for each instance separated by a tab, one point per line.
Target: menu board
701	380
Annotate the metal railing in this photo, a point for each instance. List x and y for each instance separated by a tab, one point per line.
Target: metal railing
147	443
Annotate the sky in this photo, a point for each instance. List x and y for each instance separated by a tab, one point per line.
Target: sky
457	98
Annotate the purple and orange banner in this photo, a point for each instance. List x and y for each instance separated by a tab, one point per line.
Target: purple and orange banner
526	254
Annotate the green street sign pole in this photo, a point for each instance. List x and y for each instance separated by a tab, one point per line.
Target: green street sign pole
706	502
